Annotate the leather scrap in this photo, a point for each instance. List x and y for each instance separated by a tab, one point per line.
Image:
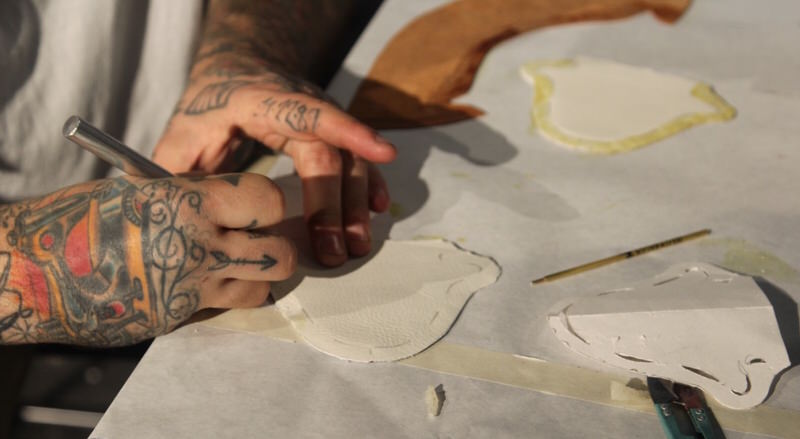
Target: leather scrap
434	58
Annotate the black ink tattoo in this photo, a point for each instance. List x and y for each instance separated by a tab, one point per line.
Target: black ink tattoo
8	212
111	265
222	260
259	234
214	96
294	113
170	254
13	319
271	42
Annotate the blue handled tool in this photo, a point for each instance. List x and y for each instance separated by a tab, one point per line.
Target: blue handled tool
682	412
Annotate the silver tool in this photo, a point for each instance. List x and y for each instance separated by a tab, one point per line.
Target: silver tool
111	150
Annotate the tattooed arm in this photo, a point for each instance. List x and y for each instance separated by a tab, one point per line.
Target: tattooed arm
246	79
113	262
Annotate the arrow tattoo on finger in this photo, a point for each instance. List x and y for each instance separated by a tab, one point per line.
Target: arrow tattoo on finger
222	260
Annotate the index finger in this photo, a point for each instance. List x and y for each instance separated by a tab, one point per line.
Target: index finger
338	128
301	117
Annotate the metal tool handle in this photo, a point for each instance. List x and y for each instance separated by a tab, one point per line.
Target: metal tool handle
111	150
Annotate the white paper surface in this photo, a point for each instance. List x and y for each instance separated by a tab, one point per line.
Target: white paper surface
537	208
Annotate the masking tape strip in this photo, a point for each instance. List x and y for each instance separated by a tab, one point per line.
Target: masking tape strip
540	115
585	385
527	373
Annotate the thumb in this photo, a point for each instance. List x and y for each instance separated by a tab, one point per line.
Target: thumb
173	151
188	147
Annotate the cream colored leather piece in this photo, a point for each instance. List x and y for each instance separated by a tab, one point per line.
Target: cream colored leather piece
400	301
695	324
606	107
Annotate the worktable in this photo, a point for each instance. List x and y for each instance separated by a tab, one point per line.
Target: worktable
499	189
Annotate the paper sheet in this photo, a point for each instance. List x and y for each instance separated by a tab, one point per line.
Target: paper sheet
538	210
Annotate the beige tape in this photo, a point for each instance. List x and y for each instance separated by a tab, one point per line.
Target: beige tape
265	321
527	373
585	385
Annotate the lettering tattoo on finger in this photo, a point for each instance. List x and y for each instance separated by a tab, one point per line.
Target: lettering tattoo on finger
298	116
217	94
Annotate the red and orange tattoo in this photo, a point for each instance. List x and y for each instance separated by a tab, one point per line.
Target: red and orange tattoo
108	266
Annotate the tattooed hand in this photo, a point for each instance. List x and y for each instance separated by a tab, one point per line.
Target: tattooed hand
239	85
113	262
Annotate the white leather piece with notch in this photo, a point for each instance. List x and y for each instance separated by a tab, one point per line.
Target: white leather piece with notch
695	324
399	302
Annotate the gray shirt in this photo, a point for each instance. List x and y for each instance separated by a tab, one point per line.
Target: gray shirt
122	65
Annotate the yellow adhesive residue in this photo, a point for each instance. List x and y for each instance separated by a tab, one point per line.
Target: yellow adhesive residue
427	237
459	240
459	174
541	117
742	257
266	321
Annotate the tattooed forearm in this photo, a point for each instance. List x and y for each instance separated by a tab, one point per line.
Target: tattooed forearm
110	264
292	34
271	43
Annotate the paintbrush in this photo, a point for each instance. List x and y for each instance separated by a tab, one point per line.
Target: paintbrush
620	257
